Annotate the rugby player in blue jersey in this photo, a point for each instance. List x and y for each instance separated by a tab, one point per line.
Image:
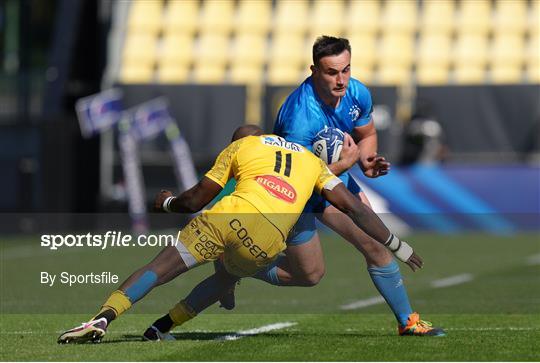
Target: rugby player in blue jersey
330	97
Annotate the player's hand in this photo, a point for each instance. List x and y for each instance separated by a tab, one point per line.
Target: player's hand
415	262
160	198
350	152
375	166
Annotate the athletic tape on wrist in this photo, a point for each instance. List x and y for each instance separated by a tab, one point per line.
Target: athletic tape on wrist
393	243
404	252
167	204
399	248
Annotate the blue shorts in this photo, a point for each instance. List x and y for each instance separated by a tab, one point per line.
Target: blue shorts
305	227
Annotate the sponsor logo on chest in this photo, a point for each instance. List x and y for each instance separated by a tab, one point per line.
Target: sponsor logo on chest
281	142
277	187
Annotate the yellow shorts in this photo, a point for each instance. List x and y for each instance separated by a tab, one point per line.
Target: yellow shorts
236	229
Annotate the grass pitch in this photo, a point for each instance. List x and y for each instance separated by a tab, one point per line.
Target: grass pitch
326	337
493	315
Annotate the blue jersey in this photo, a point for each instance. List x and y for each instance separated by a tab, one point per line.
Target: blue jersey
304	114
301	117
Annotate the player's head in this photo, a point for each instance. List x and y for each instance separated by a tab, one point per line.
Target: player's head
331	69
246	130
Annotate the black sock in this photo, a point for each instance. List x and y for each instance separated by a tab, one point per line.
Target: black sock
108	314
164	324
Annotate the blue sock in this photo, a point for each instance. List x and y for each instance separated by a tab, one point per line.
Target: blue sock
141	286
208	291
269	274
388	281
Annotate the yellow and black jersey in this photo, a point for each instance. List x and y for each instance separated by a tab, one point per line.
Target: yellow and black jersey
277	177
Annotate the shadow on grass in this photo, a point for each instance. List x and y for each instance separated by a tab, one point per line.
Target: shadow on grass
220	336
178	336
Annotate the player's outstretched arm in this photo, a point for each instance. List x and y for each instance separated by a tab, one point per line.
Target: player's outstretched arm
190	201
341	198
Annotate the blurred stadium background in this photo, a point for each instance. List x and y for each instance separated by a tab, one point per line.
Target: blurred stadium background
455	86
456	89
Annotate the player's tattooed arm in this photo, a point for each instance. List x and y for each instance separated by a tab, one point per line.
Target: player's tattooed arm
341	198
190	201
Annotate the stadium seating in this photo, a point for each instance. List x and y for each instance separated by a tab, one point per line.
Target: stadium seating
138	58
364	55
474	17
393	42
181	17
533	59
254	17
145	17
363	17
393	74
291	17
176	49
506	58
287	50
433	63
438	17
249	49
510	17
209	73
396	54
287	55
212	56
246	74
400	16
173	74
470	58
217	16
175	58
534	18
248	57
287	75
326	18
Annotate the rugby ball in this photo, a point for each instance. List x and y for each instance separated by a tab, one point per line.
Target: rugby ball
328	143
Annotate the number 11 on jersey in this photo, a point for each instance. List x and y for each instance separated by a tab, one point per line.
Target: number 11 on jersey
288	163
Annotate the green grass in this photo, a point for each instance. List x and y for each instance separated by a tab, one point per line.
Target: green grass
317	337
494	317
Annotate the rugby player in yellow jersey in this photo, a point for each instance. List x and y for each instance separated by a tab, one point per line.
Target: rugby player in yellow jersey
275	178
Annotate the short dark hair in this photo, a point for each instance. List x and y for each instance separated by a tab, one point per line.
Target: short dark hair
246	130
326	45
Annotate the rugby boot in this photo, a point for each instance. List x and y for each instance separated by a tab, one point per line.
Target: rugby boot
418	327
92	331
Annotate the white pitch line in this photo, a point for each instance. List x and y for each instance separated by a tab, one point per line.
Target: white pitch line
449	281
533	260
363	303
452	281
263	329
496	328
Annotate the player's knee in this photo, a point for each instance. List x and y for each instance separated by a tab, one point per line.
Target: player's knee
312	278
